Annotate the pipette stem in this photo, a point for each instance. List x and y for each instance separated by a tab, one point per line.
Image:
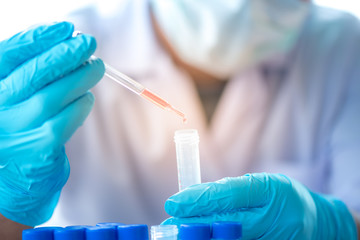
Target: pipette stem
123	80
155	99
139	89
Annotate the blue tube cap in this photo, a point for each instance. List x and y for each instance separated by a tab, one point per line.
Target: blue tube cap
41	233
110	224
133	232
195	231
79	226
100	233
73	233
226	230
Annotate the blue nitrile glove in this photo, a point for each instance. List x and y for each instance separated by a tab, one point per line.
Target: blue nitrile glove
44	98
270	206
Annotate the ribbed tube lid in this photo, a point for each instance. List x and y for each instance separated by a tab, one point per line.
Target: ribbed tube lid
41	233
195	231
186	136
133	232
101	233
226	230
73	233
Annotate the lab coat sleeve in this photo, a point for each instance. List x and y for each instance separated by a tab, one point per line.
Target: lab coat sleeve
345	135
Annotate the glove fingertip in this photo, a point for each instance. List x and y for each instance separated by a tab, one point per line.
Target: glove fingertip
67	28
89	100
90	43
178	209
53	33
29	43
100	67
169	221
169	207
64	26
68	25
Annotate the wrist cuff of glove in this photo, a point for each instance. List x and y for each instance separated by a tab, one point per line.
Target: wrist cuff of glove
35	215
340	222
347	223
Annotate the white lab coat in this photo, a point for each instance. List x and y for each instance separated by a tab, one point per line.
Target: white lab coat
305	124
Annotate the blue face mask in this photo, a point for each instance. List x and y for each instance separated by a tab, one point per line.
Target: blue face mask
222	37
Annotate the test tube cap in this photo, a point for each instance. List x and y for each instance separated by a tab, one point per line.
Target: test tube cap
100	233
73	233
186	136
226	230
133	232
195	231
79	226
110	224
40	233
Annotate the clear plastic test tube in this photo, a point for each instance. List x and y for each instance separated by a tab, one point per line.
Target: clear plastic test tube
188	157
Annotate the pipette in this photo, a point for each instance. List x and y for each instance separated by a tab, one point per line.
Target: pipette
136	87
139	89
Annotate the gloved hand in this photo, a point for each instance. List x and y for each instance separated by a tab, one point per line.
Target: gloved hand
270	206
44	98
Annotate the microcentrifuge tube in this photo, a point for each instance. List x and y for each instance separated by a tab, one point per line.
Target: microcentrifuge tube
164	232
188	157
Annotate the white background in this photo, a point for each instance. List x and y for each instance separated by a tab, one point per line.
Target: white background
16	15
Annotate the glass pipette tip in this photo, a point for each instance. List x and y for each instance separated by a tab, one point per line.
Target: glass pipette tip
140	90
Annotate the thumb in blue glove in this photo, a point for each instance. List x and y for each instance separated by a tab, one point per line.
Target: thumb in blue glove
44	98
270	206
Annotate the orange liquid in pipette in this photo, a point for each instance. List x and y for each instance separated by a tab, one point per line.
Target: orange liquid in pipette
152	97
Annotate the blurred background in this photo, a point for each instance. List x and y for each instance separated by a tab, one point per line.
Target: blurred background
16	15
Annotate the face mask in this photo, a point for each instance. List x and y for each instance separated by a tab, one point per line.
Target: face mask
222	37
